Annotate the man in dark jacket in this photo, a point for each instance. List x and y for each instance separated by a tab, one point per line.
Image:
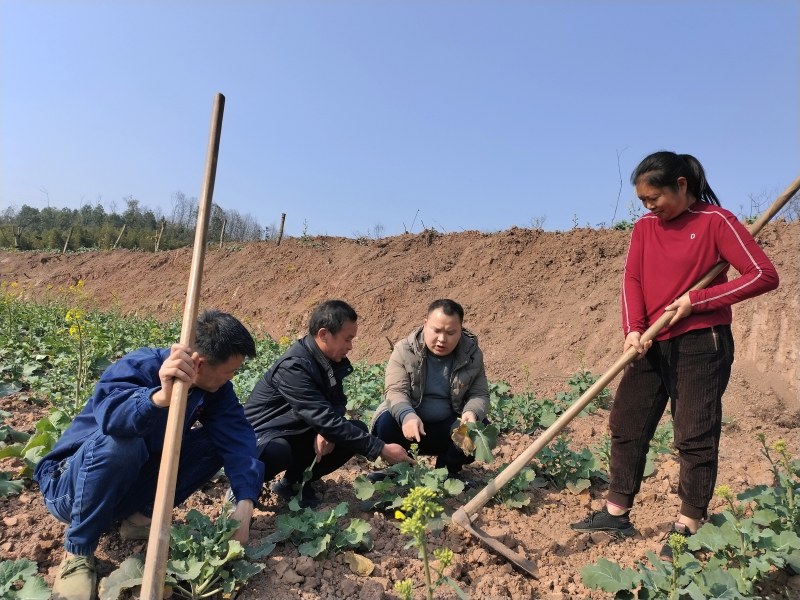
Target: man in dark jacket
105	465
297	409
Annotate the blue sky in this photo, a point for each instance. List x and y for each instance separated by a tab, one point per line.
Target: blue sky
349	116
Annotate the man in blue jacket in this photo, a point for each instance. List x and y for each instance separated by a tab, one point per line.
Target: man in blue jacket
105	466
297	408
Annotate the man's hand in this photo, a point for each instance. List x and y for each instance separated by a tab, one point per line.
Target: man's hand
682	307
413	429
243	514
322	447
180	364
395	453
634	340
469	417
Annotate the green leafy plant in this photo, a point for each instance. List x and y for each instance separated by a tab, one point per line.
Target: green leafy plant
253	369
786	475
730	555
364	390
515	494
400	479
566	469
19	581
659	445
519	412
417	511
318	533
204	561
476	439
582	381
31	450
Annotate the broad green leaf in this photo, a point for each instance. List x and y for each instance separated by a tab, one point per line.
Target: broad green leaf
578	486
315	547
34	588
364	488
341	509
12	451
13	570
9	387
485	438
453	487
241	570
608	576
719	584
8	486
128	575
260	551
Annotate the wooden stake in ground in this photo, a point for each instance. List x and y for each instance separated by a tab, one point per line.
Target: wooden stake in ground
465	515
155	565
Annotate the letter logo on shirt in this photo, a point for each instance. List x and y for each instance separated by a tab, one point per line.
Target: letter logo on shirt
691	237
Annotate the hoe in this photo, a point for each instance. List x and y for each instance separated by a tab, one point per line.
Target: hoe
465	515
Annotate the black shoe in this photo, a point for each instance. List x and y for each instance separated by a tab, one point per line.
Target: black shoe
376	476
602	520
288	490
677	529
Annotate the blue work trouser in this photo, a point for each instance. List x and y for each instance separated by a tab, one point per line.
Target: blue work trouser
110	478
436	441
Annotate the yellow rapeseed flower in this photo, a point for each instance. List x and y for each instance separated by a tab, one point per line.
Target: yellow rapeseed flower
725	492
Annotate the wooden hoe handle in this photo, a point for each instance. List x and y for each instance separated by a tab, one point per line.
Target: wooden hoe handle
155	566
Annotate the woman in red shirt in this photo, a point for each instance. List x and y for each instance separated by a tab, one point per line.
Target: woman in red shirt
684	235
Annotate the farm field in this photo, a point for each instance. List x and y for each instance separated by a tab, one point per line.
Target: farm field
544	306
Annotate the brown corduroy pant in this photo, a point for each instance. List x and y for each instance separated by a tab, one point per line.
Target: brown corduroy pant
691	371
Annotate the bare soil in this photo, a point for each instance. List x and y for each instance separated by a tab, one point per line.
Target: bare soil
543	304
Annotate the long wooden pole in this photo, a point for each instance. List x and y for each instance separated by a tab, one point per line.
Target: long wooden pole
155	566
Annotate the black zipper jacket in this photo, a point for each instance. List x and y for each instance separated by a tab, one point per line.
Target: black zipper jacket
303	392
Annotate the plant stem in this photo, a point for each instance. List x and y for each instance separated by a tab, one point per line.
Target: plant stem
423	550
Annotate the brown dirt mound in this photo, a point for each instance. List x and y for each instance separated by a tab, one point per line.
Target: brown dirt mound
543	305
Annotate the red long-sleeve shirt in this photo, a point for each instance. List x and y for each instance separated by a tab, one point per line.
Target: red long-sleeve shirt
666	258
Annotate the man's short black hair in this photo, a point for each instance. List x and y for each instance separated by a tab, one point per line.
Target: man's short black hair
449	307
220	336
332	315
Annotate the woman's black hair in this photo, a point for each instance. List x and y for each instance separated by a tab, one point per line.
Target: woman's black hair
662	169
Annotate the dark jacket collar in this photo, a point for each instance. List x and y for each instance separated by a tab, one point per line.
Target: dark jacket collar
311	344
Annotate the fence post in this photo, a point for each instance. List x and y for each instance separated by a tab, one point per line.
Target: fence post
69	235
159	234
280	231
124	225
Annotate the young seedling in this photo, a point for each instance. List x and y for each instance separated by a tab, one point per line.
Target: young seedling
417	511
204	561
388	493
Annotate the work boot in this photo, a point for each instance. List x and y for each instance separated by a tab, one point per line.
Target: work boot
129	531
76	578
680	529
288	490
602	520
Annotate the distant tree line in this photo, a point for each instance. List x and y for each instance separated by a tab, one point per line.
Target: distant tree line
137	227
